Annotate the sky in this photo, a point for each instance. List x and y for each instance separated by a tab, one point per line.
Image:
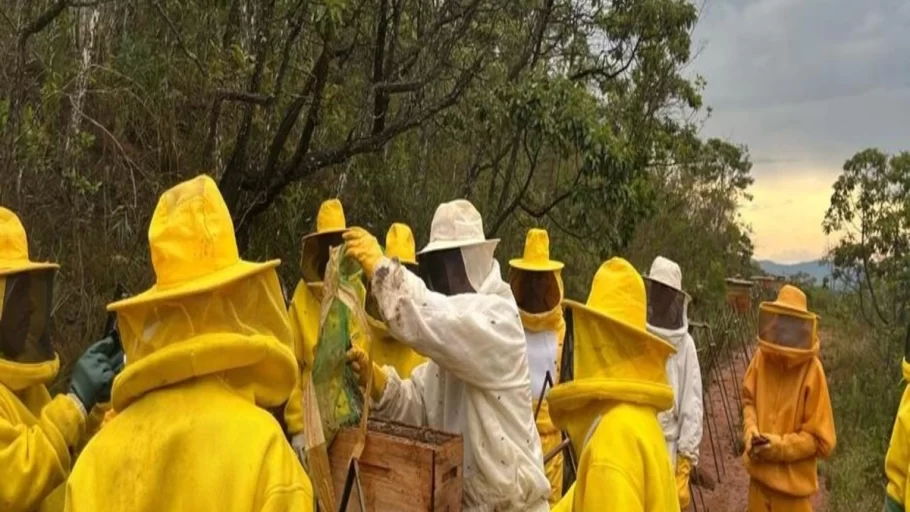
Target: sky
804	84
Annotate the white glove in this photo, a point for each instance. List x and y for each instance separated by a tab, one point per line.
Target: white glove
298	442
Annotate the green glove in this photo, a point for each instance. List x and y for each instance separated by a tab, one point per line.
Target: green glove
94	372
891	505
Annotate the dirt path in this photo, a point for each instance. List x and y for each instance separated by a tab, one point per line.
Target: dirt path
725	472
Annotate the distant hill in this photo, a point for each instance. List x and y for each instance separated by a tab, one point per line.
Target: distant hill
817	269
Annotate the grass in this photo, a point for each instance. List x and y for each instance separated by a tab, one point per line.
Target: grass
865	384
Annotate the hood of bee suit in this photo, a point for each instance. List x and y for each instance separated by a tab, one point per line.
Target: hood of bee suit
209	312
616	358
26	288
665	278
787	329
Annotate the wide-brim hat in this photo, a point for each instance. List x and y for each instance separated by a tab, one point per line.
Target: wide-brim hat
399	243
192	243
329	219
790	299
456	224
667	272
14	257
536	257
615	355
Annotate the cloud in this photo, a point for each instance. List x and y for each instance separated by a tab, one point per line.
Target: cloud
805	84
786	214
770	52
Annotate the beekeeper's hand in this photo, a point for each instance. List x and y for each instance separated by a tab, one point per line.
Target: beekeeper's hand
94	373
363	247
751	433
769	451
359	361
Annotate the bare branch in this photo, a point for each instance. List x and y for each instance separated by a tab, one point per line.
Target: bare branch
96	3
399	87
380	97
6	18
867	277
176	32
353	147
545	209
236	167
215	114
608	75
532	157
296	28
42	21
532	50
245	97
320	73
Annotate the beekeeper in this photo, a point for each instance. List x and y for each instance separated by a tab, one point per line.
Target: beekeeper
667	318
304	310
38	433
383	347
610	408
464	318
536	283
209	348
897	460
787	416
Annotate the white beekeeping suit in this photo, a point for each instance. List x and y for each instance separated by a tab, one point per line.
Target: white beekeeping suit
477	383
667	318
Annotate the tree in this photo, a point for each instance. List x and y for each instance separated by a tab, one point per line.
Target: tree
554	113
870	209
697	197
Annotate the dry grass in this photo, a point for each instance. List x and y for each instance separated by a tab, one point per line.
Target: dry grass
863	369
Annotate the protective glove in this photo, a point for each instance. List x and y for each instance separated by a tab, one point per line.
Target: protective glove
94	373
892	505
298	442
683	467
363	247
359	360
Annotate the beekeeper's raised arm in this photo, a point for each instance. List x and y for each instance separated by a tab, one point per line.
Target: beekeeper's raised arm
462	315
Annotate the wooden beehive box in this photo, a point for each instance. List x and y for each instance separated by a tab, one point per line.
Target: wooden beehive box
739	295
402	468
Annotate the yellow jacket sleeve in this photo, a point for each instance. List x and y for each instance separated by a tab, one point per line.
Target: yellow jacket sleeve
304	318
291	501
750	418
608	487
293	410
35	459
897	460
566	502
816	437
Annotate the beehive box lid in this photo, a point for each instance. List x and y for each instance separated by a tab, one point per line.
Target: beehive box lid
736	282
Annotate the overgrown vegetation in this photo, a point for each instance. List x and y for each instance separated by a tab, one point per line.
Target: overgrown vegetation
863	368
574	116
865	320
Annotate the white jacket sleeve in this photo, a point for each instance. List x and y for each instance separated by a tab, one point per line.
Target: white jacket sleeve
691	413
403	400
476	337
